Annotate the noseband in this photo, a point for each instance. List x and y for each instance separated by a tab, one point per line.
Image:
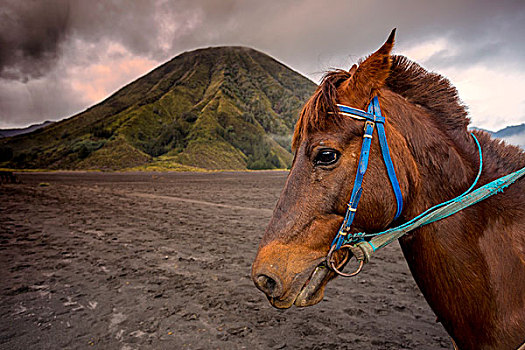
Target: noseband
363	249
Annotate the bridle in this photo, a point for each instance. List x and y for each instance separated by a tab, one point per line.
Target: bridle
371	118
362	245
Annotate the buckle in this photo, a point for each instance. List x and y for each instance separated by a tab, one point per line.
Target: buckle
367	124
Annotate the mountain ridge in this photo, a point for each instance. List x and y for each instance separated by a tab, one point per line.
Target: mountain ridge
212	108
514	134
10	132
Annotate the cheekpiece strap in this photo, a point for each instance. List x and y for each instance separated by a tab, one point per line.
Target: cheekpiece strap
388	160
371	117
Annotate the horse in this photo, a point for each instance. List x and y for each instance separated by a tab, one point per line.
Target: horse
470	266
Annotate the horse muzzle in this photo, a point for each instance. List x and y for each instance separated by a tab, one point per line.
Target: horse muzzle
289	277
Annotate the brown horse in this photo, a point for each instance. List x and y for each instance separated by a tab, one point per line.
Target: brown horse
470	266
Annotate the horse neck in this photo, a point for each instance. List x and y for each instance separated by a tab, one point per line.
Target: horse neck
446	162
444	257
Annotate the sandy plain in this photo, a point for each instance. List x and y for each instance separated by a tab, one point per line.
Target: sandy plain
162	261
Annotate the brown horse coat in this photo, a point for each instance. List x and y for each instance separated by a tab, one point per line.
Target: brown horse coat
470	267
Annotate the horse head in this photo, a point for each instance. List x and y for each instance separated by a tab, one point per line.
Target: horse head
314	200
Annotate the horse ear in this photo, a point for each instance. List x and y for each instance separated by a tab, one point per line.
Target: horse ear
374	70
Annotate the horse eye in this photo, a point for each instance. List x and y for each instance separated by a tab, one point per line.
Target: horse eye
326	157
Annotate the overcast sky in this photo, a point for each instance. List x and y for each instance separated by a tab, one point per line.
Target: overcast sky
59	57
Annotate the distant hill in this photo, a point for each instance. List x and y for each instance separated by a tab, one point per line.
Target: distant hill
511	131
214	108
514	135
21	131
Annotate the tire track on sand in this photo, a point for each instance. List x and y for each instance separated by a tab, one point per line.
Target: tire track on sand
196	201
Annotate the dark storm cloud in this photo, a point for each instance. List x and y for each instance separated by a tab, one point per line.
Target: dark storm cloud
491	34
300	32
37	38
30	37
33	34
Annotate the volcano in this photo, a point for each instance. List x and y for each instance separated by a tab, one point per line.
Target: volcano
214	108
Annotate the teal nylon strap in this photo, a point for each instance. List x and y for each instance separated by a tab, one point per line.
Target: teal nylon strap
363	249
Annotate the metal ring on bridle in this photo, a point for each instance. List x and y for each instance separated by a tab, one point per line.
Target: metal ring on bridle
331	264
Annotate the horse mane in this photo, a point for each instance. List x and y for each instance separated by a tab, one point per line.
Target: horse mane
319	110
436	93
429	90
408	79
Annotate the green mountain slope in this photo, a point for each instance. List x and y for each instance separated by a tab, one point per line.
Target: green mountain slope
215	108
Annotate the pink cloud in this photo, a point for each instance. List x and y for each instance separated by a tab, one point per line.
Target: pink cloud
95	82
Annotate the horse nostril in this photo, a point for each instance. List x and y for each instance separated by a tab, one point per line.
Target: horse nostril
268	285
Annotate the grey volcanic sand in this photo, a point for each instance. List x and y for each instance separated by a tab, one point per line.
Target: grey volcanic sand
162	261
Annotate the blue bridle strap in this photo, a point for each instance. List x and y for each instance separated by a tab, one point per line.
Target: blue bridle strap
371	117
360	114
388	160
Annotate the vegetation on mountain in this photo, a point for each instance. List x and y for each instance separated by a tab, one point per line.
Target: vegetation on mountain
214	108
